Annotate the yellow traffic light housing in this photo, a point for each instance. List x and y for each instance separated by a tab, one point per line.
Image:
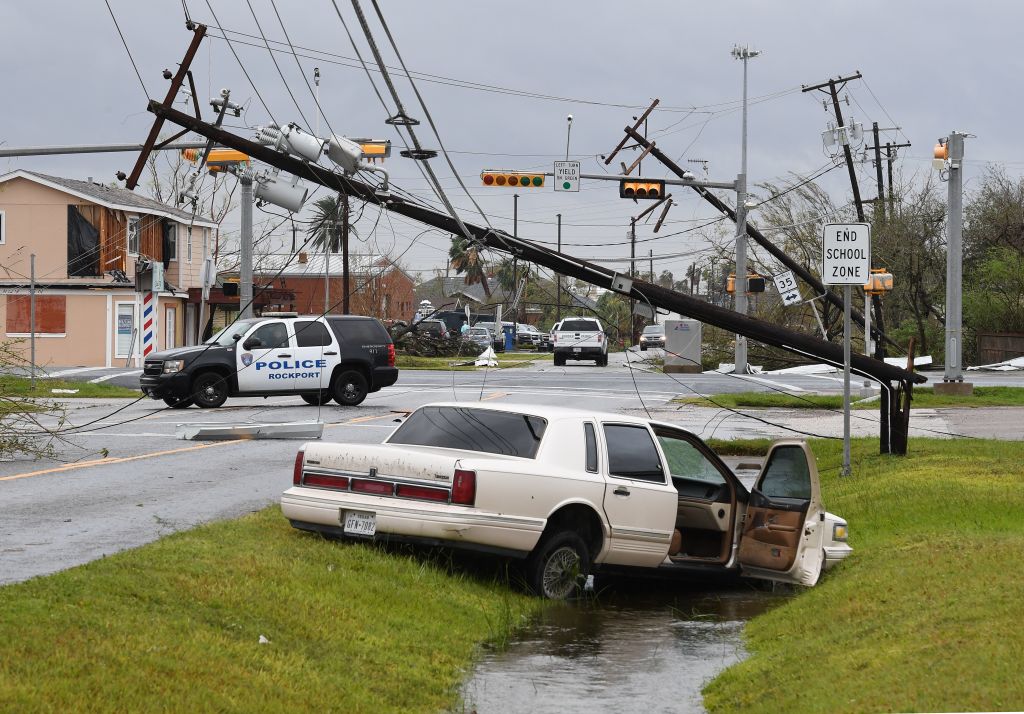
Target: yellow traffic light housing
641	189
374	149
879	283
755	283
218	160
513	179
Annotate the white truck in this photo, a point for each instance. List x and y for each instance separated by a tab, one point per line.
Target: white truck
570	491
580	338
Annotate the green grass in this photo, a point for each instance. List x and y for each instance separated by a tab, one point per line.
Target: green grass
924	398
22	387
175	626
505	361
926	613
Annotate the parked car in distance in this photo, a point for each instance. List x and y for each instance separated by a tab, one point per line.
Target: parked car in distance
652	336
570	492
481	337
527	335
432	328
580	338
499	336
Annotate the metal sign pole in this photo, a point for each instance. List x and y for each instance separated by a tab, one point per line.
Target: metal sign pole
847	328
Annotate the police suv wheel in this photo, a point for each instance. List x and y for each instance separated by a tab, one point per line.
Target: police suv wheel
350	388
210	390
315	399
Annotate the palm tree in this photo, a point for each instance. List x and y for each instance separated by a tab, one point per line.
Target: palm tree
325	226
465	258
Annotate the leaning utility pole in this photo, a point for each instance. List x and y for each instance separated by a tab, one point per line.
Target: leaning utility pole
740	362
344	255
833	90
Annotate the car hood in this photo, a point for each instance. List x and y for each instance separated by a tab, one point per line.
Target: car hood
185	352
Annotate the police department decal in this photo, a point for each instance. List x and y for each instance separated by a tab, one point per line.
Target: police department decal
246	359
291	369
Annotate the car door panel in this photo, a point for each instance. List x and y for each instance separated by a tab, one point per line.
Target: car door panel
782	533
262	368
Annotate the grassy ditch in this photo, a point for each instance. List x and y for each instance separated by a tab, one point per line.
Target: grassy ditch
505	361
924	398
11	386
925	615
176	626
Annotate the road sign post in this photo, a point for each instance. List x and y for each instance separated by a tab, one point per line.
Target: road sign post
846	261
567	175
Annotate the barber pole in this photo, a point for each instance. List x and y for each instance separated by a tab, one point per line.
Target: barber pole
148	323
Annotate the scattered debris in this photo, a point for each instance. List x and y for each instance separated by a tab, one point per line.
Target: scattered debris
64	391
1010	365
263	640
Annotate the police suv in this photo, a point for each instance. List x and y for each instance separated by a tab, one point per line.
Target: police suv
319	358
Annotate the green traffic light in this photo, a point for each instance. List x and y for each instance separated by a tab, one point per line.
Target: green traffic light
538	180
524	180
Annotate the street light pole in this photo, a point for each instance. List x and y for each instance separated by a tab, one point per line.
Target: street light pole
740	362
245	248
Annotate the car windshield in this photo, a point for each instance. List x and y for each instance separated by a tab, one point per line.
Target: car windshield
653	330
232	333
485	430
479	331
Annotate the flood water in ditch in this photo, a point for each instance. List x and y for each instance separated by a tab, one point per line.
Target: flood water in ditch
646	648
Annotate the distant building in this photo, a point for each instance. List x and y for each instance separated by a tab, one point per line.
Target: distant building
86	238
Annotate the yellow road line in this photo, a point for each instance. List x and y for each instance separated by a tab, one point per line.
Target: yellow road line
124	459
494	395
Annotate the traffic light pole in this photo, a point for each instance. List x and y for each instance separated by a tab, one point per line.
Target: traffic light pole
245	248
954	262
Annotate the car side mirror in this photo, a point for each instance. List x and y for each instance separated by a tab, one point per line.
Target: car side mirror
252	343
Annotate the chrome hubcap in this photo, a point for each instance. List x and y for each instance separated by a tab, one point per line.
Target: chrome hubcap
561	573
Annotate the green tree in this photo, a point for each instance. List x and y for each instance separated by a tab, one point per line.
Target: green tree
325	225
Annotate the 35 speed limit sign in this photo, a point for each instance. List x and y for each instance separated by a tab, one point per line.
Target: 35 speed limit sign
787	287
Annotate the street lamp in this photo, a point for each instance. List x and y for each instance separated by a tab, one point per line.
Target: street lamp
743	53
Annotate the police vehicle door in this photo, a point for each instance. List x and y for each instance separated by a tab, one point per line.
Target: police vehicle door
316	353
263	357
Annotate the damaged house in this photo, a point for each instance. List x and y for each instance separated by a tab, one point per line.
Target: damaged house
86	238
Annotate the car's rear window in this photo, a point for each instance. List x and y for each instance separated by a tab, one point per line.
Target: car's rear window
360	332
579	326
484	430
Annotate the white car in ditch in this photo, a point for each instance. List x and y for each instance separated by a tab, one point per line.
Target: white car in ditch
571	492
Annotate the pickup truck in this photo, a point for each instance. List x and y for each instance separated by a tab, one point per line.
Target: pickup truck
570	492
579	338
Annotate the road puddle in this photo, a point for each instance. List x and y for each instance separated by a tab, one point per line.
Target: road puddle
646	648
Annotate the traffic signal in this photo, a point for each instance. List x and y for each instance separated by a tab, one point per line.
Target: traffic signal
755	283
879	283
515	179
218	160
641	189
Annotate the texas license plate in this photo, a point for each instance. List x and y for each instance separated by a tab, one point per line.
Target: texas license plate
360	523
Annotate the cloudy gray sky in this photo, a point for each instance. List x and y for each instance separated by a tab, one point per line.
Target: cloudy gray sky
928	67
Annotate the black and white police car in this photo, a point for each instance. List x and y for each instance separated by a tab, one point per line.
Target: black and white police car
319	358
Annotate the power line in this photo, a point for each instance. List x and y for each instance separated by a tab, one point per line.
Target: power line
125	43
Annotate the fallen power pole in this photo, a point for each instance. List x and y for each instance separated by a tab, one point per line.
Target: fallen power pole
895	381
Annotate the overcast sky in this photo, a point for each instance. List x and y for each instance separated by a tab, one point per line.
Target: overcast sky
929	67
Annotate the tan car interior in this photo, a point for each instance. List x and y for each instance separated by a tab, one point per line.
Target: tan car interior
776	512
707	502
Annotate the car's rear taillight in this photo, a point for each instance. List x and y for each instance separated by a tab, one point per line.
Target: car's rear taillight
391	355
297	470
326	481
379	488
600	337
424	492
464	487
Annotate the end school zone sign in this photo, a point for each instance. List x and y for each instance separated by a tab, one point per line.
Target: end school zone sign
845	253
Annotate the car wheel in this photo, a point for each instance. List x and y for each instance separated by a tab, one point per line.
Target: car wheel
315	399
559	360
350	388
175	403
558	568
209	390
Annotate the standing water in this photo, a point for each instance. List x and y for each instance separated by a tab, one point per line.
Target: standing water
649	648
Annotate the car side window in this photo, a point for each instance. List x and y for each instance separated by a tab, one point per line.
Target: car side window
590	437
686	461
311	334
632	454
272	335
787	474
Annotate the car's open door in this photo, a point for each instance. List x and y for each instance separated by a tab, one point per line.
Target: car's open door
782	534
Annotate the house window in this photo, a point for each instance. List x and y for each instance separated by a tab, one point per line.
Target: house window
188	245
133	236
51	311
3	228
172	243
